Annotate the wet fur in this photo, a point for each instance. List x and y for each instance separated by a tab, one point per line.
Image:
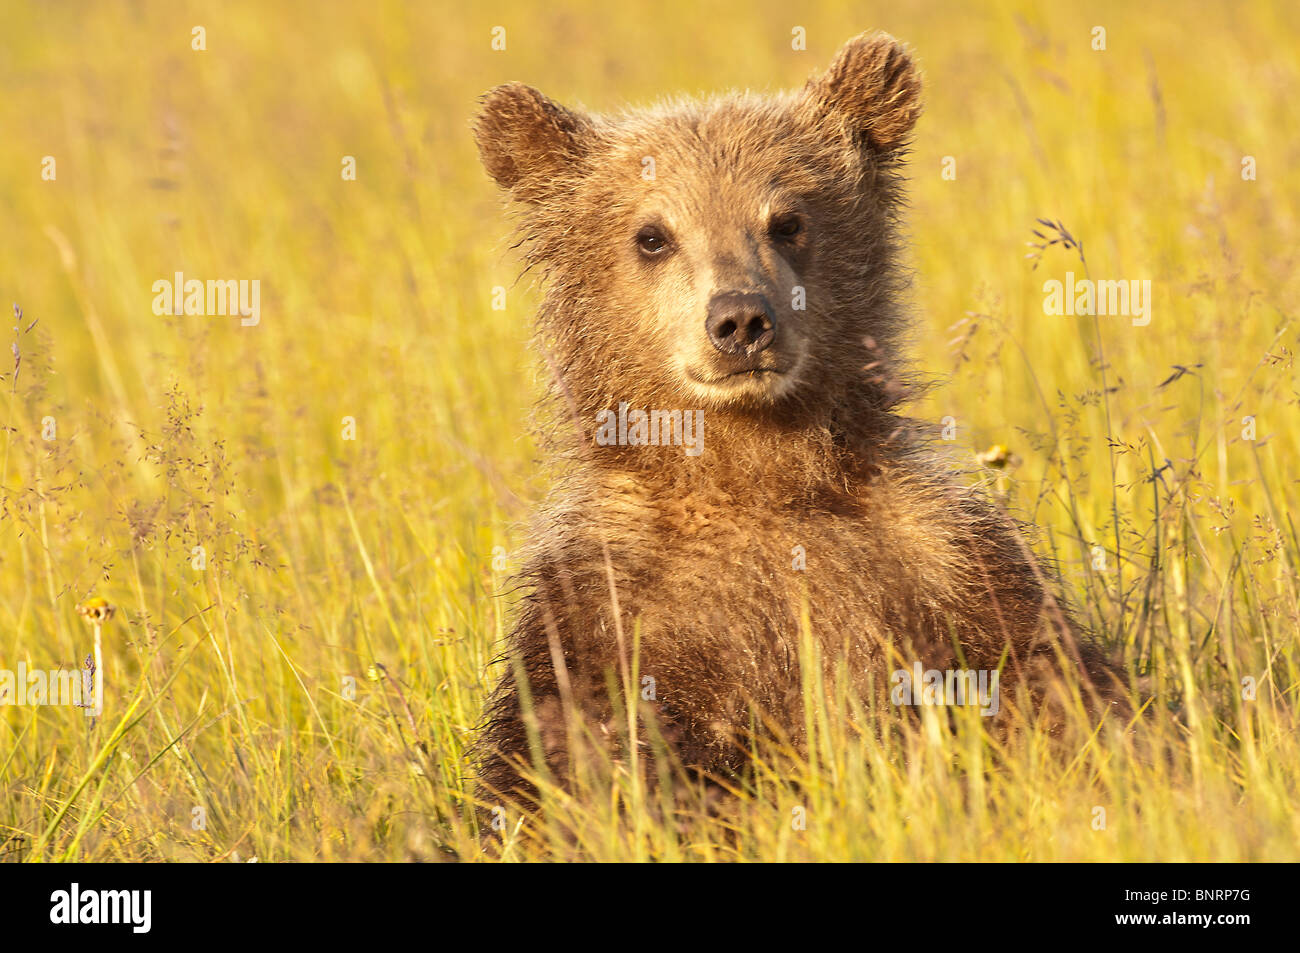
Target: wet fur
904	562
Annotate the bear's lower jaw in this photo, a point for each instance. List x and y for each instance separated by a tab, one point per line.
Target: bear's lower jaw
735	376
760	384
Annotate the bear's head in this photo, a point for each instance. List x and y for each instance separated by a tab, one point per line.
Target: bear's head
737	253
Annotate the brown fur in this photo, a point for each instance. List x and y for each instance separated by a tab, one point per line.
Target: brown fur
806	448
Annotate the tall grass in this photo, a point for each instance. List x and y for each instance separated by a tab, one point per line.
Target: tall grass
308	693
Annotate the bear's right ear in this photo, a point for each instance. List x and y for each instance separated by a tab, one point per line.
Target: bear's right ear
873	88
526	141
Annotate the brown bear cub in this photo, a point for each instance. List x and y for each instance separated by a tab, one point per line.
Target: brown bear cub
722	328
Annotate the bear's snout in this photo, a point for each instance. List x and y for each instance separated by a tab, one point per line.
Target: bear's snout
740	324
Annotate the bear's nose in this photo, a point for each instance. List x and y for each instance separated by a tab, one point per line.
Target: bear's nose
740	323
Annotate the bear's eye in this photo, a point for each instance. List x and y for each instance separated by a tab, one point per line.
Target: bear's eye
786	227
652	241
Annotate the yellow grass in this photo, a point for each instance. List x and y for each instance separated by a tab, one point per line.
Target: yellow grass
230	727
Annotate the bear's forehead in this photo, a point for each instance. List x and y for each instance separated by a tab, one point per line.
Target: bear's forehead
742	141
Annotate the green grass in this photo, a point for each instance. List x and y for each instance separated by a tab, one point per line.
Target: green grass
372	559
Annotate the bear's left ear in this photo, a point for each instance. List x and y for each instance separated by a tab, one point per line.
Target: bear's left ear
874	88
526	141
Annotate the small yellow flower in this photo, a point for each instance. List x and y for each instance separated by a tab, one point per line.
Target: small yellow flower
998	457
96	610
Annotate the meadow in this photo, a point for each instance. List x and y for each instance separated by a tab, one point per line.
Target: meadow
305	525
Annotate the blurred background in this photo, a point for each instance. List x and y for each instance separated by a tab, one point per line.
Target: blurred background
201	475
